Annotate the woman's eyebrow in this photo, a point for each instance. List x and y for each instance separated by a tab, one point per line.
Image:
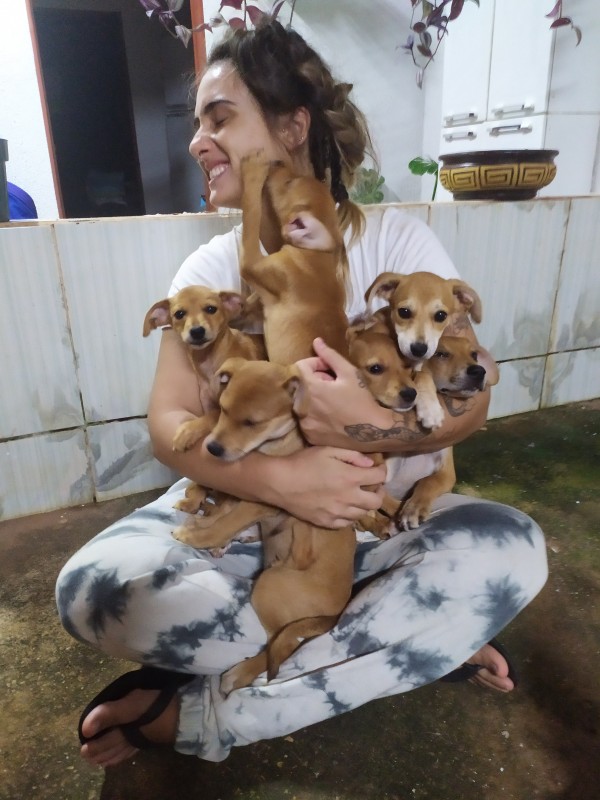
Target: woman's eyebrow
213	104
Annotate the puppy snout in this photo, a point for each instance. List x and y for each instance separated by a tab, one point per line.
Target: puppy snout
418	349
215	449
198	334
408	395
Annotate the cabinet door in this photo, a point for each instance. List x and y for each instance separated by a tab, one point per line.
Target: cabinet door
467	53
521	59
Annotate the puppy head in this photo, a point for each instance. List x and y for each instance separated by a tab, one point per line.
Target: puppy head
256	400
386	375
305	209
460	368
198	314
420	306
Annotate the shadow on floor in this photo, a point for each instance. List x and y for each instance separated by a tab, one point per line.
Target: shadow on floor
443	741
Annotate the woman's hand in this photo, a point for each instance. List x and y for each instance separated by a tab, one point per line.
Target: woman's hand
326	485
326	405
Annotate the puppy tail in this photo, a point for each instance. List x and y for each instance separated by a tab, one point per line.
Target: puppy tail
289	638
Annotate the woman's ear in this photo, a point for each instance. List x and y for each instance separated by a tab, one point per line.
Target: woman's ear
294	129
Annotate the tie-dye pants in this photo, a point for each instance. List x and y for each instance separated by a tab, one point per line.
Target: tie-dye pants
427	600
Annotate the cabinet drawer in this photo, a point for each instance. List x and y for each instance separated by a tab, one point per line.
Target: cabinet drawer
521	133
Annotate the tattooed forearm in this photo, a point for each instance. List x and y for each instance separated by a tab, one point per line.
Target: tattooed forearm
405	428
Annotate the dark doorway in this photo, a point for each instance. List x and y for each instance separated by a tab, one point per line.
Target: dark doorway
87	89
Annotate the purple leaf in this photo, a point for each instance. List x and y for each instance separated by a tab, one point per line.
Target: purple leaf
419	27
457	7
555	11
425	51
577	34
410	43
255	14
276	8
236	22
561	22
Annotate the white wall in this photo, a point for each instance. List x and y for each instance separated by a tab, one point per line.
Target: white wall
21	120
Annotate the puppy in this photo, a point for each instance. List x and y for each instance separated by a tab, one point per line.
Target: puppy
201	317
300	286
419	308
308	572
459	369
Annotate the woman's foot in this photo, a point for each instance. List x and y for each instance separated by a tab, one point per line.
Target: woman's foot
494	669
112	747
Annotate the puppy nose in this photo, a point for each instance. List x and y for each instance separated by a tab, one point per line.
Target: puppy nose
215	449
418	349
475	371
198	333
408	395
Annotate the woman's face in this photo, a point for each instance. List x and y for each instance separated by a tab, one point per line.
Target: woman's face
229	125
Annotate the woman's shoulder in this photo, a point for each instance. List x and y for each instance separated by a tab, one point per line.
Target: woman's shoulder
214	264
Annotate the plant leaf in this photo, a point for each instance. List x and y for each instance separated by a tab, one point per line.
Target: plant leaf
236	22
237	4
577	34
423	166
555	11
276	9
255	14
456	8
561	22
425	51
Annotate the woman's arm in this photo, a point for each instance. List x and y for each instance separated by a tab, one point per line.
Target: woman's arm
343	413
321	484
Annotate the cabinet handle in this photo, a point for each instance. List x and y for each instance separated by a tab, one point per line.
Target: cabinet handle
460	119
522	109
454	137
502	130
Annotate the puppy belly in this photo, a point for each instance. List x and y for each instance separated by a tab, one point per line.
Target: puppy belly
404	471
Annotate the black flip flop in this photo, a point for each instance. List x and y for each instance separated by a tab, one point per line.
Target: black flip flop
467	671
145	678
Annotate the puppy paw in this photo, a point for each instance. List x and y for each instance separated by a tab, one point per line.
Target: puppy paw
187	505
430	414
412	515
255	168
186	436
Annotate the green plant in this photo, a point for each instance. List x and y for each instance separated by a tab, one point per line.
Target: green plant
425	166
366	189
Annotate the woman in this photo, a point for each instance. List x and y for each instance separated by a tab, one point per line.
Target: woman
431	599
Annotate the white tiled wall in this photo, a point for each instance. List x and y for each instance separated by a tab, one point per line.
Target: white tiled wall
76	371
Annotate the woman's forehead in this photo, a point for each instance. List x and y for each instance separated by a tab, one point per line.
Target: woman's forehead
220	81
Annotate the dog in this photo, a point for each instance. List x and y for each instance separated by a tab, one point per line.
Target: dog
301	285
458	369
418	311
308	571
201	317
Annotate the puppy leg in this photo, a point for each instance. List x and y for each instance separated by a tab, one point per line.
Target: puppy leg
418	506
191	432
219	529
195	496
428	407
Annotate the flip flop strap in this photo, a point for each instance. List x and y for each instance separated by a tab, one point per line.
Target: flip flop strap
132	731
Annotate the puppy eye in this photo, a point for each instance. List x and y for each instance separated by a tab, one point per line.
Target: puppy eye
474	355
441	354
179	314
440	316
211	309
405	313
248	423
375	369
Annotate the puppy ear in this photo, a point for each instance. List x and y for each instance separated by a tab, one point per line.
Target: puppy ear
468	299
233	304
157	317
383	286
306	231
486	360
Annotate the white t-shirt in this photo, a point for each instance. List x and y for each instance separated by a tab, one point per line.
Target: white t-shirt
393	241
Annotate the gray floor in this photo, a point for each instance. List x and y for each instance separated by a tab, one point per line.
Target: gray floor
441	742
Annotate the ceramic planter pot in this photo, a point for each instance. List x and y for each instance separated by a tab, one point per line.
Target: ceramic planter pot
497	174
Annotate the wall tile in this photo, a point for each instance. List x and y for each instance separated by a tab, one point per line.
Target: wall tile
519	388
510	253
122	460
114	270
577	311
39	385
572	376
39	473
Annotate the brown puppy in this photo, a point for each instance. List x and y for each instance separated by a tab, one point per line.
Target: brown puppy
420	305
201	317
459	369
301	286
308	572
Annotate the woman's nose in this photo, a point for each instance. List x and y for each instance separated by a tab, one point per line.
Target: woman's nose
199	144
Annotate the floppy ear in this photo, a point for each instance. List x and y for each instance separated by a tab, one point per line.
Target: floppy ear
223	375
306	231
486	360
233	304
383	286
468	299
157	317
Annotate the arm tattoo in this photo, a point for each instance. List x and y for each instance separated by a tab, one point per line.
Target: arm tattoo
405	427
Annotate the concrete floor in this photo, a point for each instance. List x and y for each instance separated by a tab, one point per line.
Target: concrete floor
450	742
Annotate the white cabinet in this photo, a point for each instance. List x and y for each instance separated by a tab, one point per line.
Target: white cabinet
506	85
